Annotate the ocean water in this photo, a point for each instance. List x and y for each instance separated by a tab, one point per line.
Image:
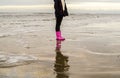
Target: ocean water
79	7
75	7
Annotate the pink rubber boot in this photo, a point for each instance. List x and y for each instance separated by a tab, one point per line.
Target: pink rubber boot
58	36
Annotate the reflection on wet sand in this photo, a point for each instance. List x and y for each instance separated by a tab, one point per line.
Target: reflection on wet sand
61	63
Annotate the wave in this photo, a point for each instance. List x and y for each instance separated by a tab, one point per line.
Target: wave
12	60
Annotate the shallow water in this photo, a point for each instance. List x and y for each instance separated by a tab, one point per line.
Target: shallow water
28	48
12	60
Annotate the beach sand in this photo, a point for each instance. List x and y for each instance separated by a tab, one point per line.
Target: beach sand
28	48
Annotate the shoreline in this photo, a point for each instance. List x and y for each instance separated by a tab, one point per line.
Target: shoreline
92	45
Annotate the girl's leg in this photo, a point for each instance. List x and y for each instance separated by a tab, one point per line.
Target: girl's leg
58	23
57	28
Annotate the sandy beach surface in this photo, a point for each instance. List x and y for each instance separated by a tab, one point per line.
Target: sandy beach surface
28	48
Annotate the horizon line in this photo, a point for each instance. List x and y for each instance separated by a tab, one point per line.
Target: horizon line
82	6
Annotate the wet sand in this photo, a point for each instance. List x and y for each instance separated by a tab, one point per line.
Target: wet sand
28	48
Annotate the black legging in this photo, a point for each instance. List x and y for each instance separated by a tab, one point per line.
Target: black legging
58	22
